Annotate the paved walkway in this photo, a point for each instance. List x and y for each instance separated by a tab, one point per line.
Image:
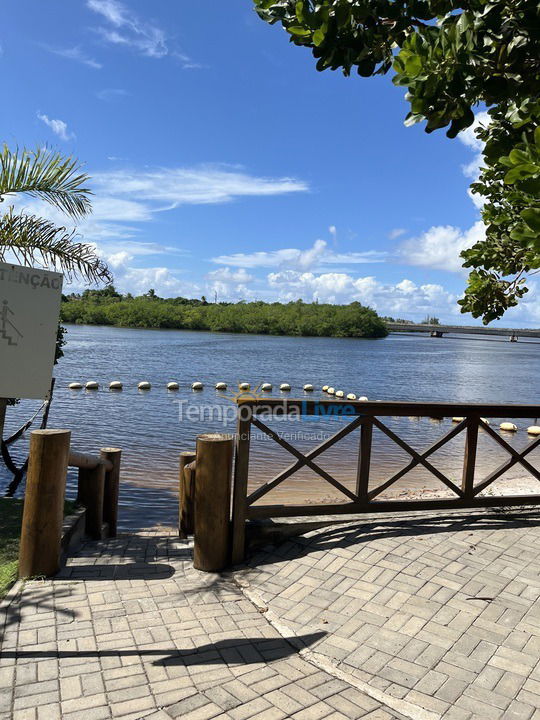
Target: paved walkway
442	613
130	630
384	619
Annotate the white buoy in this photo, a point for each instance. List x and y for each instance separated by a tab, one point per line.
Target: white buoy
75	386
197	386
115	385
485	421
244	386
173	386
340	393
534	430
363	398
351	396
266	387
308	388
144	385
325	388
331	391
285	387
221	386
92	385
508	426
457	419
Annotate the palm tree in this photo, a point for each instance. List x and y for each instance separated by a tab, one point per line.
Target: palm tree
47	175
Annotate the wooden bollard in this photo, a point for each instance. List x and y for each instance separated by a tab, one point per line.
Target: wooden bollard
43	515
112	488
186	483
91	493
211	551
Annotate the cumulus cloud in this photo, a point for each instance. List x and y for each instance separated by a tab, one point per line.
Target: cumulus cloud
469	139
317	255
404	297
229	284
440	247
59	127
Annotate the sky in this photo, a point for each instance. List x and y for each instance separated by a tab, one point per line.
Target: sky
223	164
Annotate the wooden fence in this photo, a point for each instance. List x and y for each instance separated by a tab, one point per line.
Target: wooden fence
364	498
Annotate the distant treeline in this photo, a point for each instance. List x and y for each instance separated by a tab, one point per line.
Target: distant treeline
108	307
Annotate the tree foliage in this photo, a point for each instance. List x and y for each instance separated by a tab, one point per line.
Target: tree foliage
108	307
452	57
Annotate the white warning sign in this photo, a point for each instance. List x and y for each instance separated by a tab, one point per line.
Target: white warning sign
29	311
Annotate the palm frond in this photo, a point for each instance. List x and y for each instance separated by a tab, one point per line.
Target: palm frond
29	240
46	174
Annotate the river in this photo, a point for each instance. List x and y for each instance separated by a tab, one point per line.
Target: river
153	426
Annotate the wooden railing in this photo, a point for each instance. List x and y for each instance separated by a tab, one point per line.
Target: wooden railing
364	498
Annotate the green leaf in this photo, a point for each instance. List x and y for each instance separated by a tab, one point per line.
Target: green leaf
318	37
532	218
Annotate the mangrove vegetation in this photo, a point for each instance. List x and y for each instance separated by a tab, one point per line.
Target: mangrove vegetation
108	307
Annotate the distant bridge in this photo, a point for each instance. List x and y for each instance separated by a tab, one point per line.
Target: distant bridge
512	334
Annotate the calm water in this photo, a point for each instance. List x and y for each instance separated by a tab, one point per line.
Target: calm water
152	427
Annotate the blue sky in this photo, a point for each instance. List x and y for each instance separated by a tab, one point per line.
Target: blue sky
224	163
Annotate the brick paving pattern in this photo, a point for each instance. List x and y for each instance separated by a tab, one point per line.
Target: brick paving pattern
443	613
130	630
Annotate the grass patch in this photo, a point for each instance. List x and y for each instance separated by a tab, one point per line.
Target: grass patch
10	532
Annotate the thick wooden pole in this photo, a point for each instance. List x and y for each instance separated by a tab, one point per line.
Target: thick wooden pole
186	487
91	493
112	488
43	514
213	502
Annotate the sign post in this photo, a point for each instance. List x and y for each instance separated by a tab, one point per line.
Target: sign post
29	311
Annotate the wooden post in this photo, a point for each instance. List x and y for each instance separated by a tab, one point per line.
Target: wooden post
211	551
112	488
91	493
364	461
186	480
469	461
43	515
241	469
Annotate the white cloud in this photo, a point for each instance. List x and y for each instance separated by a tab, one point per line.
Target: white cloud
228	284
404	298
59	127
396	232
127	29
205	184
317	255
439	248
469	139
75	54
118	207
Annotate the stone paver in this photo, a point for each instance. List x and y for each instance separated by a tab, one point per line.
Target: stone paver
441	612
130	630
